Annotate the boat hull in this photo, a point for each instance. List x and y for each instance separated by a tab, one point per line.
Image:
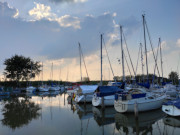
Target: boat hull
108	101
141	105
171	110
83	98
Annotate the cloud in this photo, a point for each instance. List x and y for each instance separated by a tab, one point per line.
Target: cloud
41	11
69	21
68	1
7	11
44	12
54	37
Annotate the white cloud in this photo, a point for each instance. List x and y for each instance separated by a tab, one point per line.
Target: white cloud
69	1
68	21
41	11
44	12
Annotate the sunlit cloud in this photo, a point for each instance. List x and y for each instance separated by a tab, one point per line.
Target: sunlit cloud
41	11
68	1
44	12
68	21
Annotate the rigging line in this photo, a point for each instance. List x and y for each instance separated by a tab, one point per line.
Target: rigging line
138	58
128	53
142	62
161	59
87	126
156	61
145	47
108	58
84	62
80	61
178	64
127	65
151	45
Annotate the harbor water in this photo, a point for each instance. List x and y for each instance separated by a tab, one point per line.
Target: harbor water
56	114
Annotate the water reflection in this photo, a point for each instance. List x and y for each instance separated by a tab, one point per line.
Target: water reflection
172	121
104	116
18	112
128	124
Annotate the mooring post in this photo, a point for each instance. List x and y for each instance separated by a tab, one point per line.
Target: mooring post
136	109
136	117
102	101
84	99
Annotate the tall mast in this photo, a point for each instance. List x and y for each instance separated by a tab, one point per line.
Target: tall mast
142	62
80	60
161	59
52	71
101	60
145	47
42	73
122	51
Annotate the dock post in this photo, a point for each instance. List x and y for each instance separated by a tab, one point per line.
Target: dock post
102	101
136	117
84	99
136	109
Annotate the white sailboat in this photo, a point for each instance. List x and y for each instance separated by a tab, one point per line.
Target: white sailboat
30	88
85	93
138	98
53	87
107	92
172	108
43	87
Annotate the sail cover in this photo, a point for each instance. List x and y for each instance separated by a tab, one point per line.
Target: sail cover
108	90
88	88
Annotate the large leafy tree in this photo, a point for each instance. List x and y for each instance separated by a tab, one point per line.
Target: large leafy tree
174	77
19	68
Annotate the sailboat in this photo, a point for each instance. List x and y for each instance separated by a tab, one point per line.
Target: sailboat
30	88
104	95
172	108
84	93
53	86
138	99
43	87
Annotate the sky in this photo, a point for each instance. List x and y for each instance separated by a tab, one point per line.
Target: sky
49	31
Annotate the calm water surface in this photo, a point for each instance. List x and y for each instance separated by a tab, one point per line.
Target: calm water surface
54	114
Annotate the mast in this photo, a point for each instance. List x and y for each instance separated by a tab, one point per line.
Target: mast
80	60
142	63
101	60
145	47
161	59
52	71
121	31
42	73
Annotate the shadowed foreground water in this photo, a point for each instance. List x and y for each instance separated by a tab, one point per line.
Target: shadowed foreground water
54	114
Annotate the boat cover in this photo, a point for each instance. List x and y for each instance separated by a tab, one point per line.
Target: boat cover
146	85
108	90
88	88
175	102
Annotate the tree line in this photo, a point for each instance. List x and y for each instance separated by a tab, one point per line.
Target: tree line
21	69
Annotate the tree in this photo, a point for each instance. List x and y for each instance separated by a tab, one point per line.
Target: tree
174	77
19	68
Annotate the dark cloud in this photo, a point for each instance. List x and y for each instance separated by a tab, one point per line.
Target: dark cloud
130	25
6	11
